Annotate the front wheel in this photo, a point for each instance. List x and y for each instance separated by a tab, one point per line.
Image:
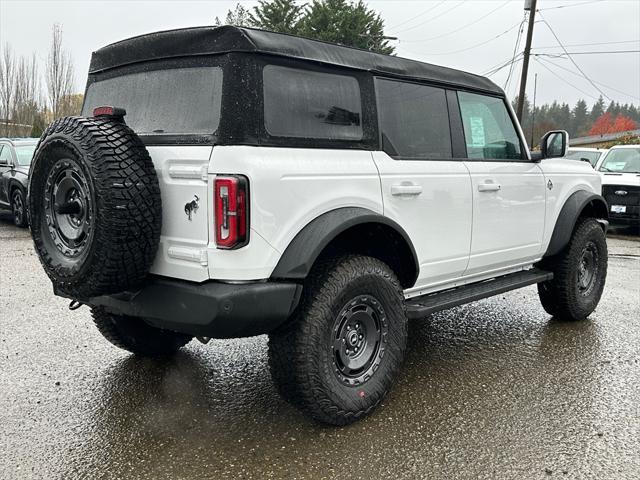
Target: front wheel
580	271
19	208
340	354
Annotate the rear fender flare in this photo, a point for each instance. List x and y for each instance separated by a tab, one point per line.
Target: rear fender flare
300	255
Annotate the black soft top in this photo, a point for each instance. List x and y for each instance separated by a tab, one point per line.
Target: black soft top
187	42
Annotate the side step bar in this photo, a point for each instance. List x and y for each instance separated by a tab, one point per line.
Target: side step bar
424	305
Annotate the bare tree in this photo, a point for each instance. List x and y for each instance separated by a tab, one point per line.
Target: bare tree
28	95
59	74
7	85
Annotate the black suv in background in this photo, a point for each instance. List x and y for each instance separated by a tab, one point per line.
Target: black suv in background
15	158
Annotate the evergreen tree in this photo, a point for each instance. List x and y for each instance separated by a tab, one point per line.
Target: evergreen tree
281	16
239	17
580	122
346	23
597	110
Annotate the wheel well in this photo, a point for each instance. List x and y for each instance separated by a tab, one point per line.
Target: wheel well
379	241
594	209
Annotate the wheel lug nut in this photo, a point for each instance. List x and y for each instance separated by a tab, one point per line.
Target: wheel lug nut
360	336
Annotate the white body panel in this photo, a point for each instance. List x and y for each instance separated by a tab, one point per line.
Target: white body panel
431	200
567	177
508	214
460	234
289	187
182	173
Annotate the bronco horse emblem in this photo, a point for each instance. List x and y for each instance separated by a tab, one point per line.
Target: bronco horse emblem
192	206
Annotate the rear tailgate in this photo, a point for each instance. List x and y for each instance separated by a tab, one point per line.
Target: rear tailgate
182	173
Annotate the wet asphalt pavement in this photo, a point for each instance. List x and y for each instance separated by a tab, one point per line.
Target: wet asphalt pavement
495	389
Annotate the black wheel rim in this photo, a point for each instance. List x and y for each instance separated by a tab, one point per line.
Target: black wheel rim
359	336
588	269
69	211
18	208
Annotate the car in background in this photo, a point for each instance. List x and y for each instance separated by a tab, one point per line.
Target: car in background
620	172
15	158
591	155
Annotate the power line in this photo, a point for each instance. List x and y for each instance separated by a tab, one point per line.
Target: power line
464	26
546	60
493	71
568	54
515	50
570	5
572	60
479	44
587	44
433	18
419	15
563	79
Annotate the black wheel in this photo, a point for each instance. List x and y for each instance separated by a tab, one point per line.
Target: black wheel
136	336
339	355
19	208
95	206
580	271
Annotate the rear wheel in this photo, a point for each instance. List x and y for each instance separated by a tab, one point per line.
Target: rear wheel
136	336
339	356
19	208
579	272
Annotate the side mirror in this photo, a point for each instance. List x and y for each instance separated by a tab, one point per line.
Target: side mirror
554	144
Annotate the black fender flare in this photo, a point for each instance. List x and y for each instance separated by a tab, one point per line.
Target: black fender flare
572	209
302	252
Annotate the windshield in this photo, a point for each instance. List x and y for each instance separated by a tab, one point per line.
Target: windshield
25	154
580	154
622	160
175	101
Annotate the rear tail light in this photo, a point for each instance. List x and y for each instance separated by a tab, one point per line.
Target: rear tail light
231	206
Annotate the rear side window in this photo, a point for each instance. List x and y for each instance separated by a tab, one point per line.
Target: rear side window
414	120
306	104
175	101
488	129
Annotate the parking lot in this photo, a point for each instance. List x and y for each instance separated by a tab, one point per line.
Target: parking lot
494	389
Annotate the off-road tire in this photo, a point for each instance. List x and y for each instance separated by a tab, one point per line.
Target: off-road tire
562	297
301	356
19	208
121	210
136	336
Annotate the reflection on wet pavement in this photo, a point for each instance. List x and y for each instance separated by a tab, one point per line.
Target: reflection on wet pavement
495	389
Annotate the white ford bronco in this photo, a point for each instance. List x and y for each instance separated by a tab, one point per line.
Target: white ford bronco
229	182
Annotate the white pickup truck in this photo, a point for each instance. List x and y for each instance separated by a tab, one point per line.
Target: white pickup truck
228	182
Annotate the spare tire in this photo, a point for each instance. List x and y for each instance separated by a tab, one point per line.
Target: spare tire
95	206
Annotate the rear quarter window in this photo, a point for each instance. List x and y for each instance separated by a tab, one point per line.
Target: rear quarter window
174	101
307	104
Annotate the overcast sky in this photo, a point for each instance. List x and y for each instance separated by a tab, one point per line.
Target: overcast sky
455	33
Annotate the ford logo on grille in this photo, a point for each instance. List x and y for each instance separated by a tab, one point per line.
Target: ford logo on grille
621	192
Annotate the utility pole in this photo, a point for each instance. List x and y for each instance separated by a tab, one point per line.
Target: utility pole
531	6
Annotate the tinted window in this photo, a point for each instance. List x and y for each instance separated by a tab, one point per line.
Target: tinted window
300	103
488	129
176	101
414	120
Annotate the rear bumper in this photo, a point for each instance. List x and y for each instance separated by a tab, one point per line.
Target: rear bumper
211	309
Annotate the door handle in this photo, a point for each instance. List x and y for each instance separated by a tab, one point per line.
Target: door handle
409	190
489	187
